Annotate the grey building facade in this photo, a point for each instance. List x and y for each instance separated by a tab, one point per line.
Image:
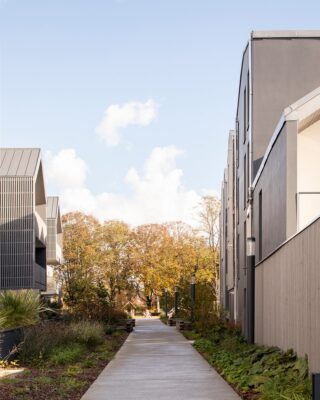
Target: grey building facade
278	69
54	246
23	229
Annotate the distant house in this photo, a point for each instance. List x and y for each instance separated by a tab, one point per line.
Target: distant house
54	245
23	229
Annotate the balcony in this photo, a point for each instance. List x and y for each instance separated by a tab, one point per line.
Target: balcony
40	276
308	208
40	228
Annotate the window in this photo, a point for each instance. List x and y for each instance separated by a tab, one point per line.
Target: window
237	199
248	170
237	143
226	241
245	247
238	260
244	114
248	101
244	181
260	225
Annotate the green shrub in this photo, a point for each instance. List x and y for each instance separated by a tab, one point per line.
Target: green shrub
19	308
266	370
39	340
109	330
89	333
115	315
66	354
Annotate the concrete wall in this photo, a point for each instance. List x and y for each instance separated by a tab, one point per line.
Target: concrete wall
288	296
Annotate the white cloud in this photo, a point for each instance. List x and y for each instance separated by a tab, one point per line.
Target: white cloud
157	194
66	169
117	117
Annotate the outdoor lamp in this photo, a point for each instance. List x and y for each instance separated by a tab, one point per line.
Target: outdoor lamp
250	288
251	246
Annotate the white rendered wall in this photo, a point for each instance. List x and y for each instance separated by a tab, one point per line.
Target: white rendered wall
308	185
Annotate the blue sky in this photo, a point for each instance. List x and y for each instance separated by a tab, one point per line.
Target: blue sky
63	63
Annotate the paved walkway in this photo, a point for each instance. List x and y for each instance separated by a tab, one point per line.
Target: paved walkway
157	362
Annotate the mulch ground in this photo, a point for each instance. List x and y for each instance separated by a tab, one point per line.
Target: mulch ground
69	382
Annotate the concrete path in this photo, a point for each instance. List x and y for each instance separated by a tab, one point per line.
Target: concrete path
157	362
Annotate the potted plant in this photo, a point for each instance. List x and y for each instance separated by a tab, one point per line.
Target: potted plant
17	309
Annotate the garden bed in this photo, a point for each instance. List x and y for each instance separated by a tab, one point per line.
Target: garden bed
65	372
255	372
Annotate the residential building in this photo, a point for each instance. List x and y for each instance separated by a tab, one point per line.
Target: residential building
54	246
274	184
228	273
23	229
286	225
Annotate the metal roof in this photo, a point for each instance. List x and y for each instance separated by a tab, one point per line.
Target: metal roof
52	207
19	162
285	34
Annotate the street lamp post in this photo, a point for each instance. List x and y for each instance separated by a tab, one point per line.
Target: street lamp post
166	302
193	296
176	299
250	288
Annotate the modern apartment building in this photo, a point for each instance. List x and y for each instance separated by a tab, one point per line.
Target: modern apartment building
273	190
23	228
54	245
228	273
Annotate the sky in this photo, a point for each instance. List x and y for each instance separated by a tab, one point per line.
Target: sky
131	101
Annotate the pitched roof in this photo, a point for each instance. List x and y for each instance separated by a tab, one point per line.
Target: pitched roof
19	162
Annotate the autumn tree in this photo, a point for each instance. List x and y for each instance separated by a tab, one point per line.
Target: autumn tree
79	271
209	227
115	269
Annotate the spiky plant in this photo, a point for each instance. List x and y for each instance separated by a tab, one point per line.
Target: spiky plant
19	308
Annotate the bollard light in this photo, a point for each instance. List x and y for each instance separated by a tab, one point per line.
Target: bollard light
166	302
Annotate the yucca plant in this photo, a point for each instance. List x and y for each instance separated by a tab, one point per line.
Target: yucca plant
19	308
